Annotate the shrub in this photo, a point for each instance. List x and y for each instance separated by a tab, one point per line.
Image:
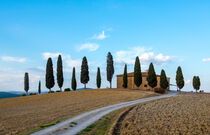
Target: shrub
32	93
67	89
51	91
23	94
58	91
160	90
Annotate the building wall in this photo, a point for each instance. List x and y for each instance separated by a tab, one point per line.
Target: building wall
143	86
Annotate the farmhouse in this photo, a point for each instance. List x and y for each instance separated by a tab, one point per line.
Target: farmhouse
144	85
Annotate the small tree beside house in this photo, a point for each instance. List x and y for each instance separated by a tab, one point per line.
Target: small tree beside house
125	77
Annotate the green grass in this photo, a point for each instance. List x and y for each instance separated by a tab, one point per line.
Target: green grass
87	129
51	124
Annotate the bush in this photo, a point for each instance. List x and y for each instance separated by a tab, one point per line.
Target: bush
67	89
32	93
160	90
23	94
51	91
58	91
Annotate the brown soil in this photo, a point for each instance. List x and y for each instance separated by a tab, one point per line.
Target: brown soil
18	115
188	114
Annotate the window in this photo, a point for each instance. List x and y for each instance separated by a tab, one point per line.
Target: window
145	85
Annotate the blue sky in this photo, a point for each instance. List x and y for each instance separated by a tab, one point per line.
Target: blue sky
168	33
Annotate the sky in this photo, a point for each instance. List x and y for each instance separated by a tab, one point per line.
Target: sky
168	33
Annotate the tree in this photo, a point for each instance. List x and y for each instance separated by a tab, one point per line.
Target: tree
84	77
196	83
163	80
26	83
50	82
179	78
137	73
73	80
60	72
98	78
39	87
125	77
152	78
110	68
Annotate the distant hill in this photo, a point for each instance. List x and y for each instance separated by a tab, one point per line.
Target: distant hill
8	95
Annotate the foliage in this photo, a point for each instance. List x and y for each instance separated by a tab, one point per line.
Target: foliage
163	80
137	73
32	93
84	76
67	89
152	78
26	83
125	77
160	90
51	91
196	83
179	78
50	82
39	87
98	78
23	94
60	72
73	80
110	68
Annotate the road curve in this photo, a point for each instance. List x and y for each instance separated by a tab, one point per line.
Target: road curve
88	118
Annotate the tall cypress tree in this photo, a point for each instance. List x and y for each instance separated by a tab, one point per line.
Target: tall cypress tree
26	83
163	80
84	76
137	72
73	80
196	83
39	87
110	68
125	77
60	72
179	78
98	78
152	78
49	77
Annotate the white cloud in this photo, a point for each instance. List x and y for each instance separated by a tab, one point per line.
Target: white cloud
70	62
187	81
100	36
46	55
145	56
88	46
13	59
206	60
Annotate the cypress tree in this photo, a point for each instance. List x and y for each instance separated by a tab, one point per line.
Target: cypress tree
125	77
73	80
39	87
196	83
60	72
26	83
50	82
137	73
163	80
152	78
110	68
84	76
98	78
179	78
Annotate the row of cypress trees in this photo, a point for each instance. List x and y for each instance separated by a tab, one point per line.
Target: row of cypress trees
84	74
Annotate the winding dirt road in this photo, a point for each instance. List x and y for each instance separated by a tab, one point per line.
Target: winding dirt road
76	124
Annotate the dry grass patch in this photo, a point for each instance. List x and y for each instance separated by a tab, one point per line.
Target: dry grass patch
188	114
18	115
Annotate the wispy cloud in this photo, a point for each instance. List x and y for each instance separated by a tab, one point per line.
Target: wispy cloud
100	36
145	55
46	55
206	60
13	59
88	46
187	81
